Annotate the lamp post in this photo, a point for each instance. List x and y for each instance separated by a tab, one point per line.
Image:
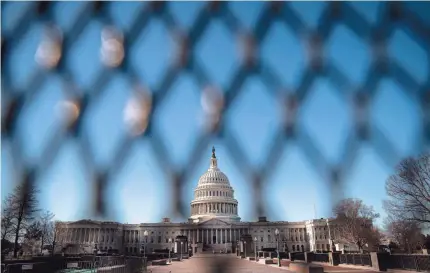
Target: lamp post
170	247
255	247
181	248
245	248
277	245
329	237
145	235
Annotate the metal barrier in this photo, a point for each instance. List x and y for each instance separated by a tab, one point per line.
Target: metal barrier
108	264
320	257
409	262
27	268
356	259
78	266
300	256
56	53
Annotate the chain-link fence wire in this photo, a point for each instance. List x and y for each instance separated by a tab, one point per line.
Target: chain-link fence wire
53	54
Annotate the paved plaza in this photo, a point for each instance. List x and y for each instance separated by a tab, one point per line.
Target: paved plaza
210	264
230	263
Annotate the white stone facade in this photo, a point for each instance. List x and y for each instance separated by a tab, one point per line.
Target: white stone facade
214	224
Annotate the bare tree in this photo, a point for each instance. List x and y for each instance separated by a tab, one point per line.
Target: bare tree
33	233
409	189
7	225
354	223
407	234
24	209
46	228
57	235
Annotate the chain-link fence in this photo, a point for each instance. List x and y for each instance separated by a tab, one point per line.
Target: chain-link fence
53	56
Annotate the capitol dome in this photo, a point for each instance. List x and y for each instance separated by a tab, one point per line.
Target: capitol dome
213	196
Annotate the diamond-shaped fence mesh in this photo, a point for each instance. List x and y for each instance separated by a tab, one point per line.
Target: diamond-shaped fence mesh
54	53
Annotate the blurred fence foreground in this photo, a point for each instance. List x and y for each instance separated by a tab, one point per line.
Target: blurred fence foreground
53	57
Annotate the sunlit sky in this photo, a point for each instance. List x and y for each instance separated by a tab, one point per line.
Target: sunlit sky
141	192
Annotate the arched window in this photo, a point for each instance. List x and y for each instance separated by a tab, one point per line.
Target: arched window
303	248
294	248
328	247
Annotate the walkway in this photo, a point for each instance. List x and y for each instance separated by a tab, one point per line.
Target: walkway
211	264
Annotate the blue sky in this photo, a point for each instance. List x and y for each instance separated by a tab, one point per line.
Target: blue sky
140	192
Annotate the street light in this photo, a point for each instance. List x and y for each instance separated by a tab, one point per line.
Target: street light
329	237
277	245
145	235
245	248
170	247
255	247
181	249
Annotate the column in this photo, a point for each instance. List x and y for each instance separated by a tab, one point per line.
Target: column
207	236
222	237
230	236
198	239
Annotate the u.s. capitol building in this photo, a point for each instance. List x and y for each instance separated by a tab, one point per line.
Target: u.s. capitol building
214	224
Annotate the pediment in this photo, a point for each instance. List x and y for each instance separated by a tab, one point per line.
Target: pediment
214	223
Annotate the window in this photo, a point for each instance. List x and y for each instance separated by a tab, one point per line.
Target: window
294	248
261	238
268	238
152	240
167	240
